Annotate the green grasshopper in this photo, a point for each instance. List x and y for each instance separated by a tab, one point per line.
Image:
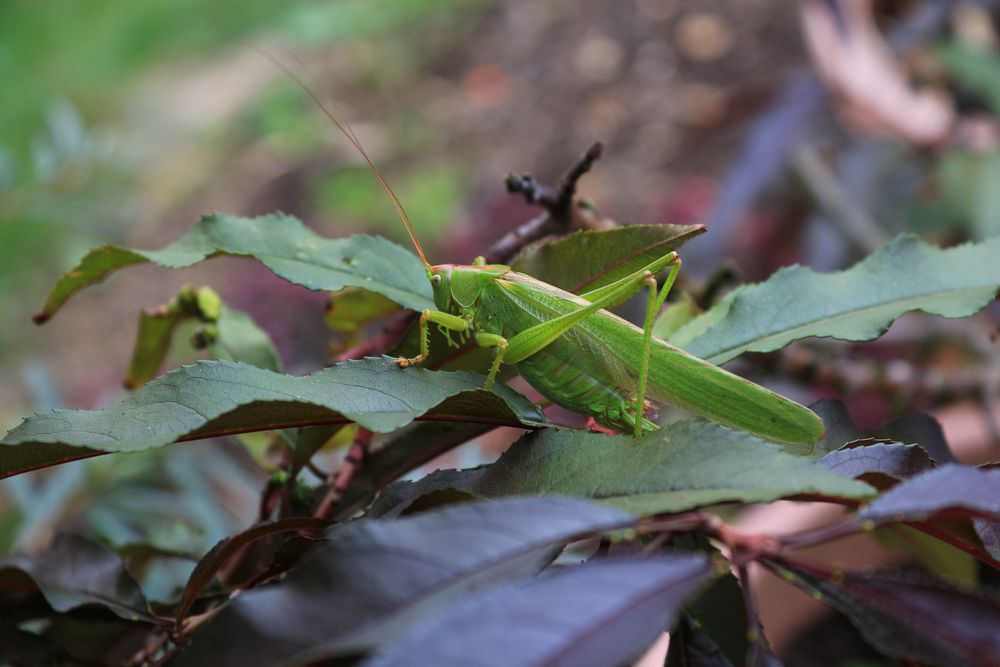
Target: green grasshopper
576	353
586	359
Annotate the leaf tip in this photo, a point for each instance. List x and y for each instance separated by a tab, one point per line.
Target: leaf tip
41	318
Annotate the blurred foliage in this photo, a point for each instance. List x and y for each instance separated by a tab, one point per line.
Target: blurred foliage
976	69
433	195
91	51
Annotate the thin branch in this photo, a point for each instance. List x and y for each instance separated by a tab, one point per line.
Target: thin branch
556	200
567	191
760	651
340	480
754	627
560	213
146	654
809	538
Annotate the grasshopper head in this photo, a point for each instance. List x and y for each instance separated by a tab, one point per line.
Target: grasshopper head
457	286
440	277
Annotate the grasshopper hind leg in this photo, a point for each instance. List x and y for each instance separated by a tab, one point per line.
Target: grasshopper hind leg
640	426
623	418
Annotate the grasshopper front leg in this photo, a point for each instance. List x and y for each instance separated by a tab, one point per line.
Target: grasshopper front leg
447	320
455	323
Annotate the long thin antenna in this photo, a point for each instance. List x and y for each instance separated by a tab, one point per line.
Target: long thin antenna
348	132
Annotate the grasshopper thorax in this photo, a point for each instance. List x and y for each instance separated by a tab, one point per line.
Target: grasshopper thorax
457	286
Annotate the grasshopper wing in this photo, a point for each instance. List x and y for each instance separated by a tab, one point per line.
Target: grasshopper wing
609	349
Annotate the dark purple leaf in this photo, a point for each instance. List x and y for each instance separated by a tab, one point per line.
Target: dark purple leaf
594	615
840	428
719	612
24	649
951	490
953	503
400	453
919	429
214	560
910	616
75	571
397	498
761	655
374	577
881	465
98	639
988	531
691	646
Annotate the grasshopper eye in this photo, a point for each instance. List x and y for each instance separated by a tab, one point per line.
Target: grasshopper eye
436	279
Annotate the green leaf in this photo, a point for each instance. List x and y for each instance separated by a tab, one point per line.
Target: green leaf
587	260
213	398
684	465
152	343
675	316
240	339
352	309
280	242
857	304
228	334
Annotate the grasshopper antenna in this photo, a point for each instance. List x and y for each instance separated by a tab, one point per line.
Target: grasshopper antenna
345	128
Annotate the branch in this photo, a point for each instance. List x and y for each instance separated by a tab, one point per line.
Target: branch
560	214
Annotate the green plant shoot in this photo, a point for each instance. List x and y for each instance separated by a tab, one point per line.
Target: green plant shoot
578	354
